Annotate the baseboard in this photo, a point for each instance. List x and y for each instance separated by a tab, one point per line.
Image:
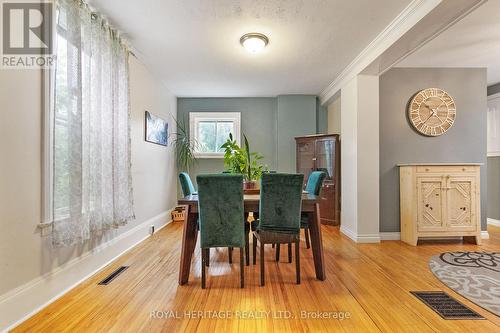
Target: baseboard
485	235
386	236
494	222
23	302
360	238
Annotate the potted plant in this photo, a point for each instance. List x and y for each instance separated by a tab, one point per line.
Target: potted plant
184	146
243	161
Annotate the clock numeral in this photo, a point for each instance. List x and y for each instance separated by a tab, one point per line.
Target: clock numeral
433	130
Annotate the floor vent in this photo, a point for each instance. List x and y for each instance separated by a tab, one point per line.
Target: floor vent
445	305
113	275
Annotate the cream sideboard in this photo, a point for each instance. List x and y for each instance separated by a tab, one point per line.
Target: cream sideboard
440	200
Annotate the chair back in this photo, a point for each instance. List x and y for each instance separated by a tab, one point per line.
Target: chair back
186	184
315	181
221	210
280	202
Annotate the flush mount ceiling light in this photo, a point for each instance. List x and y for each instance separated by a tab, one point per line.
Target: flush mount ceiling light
254	42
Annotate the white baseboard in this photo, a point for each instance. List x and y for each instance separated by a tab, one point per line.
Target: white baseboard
23	302
494	222
360	238
390	236
397	235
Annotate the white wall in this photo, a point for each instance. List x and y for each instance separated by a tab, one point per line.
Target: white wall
334	116
31	270
360	159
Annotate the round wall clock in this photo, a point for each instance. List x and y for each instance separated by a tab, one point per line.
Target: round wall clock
432	111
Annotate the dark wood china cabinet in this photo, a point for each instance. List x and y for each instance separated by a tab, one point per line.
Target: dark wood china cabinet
322	152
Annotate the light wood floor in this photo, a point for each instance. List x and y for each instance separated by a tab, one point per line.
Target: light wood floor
371	282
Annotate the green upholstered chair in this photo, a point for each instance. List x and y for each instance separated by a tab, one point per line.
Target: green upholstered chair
279	215
313	186
186	184
221	216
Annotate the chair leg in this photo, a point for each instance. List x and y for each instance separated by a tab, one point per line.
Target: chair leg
290	252
242	268
254	248
306	234
278	248
203	268
261	264
297	260
207	250
274	245
230	250
247	248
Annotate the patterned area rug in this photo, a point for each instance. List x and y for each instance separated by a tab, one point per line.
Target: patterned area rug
474	275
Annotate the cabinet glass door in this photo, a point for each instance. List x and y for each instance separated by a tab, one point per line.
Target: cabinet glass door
306	159
325	157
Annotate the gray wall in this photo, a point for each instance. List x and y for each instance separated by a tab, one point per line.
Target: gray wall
296	116
399	143
494	174
270	124
493	180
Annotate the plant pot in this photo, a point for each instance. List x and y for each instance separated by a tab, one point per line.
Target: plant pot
250	185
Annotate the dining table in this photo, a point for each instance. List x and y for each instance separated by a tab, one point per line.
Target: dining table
310	207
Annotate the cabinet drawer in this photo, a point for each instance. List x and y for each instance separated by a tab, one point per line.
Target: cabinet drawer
446	169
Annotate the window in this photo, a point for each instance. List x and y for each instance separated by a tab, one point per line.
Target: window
211	129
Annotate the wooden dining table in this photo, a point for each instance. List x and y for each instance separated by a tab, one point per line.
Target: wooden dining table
310	206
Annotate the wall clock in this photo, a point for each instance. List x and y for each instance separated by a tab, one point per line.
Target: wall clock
432	111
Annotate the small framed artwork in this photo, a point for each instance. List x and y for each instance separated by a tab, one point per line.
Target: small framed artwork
156	129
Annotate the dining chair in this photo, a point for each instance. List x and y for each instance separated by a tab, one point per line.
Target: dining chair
186	184
221	217
279	215
188	189
313	186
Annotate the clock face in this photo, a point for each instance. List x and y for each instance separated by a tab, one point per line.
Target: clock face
432	111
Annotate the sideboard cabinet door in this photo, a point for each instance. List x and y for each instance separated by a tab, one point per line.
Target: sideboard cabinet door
461	201
430	204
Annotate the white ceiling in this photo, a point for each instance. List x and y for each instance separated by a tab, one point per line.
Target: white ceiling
193	45
472	42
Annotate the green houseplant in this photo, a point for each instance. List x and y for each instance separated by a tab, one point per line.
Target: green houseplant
184	146
241	160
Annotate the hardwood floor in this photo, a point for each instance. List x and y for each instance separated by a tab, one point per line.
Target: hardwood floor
369	282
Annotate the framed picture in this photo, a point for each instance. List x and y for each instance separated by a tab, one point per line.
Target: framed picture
156	129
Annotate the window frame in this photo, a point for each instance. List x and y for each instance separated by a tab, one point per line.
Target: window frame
196	117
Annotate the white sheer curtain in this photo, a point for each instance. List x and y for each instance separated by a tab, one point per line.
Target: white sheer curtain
92	180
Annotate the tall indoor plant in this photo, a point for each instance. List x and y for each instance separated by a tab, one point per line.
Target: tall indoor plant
184	146
241	160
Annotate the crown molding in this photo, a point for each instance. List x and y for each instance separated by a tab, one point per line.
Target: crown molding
413	13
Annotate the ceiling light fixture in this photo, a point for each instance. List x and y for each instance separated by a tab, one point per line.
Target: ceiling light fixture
254	42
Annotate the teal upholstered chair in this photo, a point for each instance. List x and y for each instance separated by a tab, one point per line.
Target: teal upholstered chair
279	215
186	184
313	186
221	216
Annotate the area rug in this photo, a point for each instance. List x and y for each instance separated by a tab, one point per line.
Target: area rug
474	275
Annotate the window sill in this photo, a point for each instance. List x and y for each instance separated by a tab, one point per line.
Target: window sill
209	155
